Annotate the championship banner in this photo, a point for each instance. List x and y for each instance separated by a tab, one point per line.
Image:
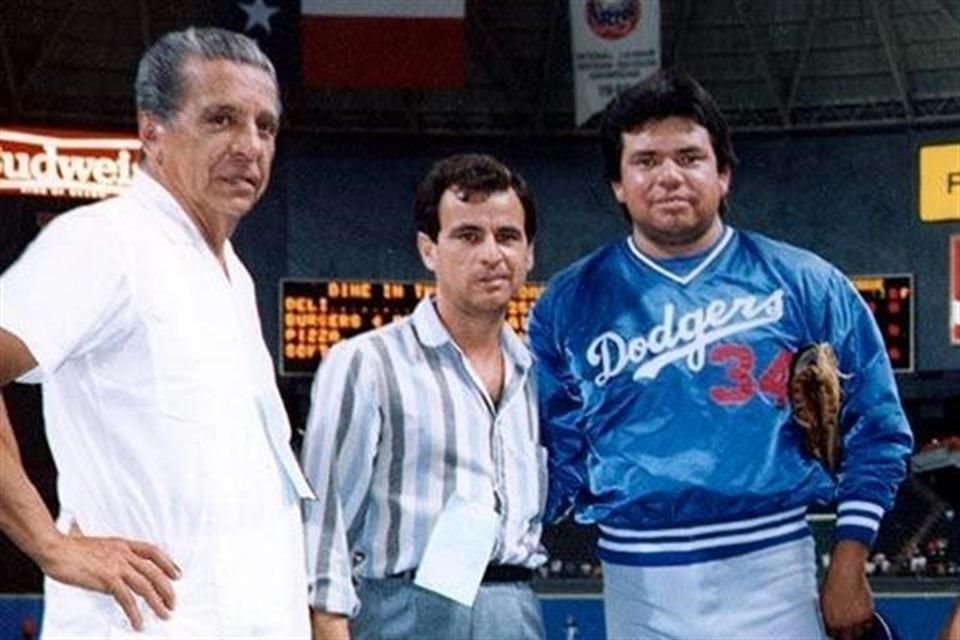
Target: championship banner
615	44
955	290
66	164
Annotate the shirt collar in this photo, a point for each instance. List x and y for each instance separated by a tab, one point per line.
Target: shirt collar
433	334
180	225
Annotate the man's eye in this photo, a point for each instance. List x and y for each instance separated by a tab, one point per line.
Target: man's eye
645	162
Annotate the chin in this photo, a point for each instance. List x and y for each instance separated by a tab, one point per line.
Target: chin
492	304
497	295
238	208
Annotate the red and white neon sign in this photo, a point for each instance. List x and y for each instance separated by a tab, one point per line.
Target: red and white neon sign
66	164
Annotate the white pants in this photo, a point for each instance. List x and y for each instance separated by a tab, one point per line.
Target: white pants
771	593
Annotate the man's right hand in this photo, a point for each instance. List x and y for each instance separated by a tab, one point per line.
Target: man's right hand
124	569
329	626
121	568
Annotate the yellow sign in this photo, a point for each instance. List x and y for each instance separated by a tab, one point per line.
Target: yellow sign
940	182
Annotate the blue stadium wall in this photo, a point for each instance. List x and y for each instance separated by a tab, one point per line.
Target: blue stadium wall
574	617
341	208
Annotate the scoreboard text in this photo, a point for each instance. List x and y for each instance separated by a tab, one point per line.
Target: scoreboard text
316	314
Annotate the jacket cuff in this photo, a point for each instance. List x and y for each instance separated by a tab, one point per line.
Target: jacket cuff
858	520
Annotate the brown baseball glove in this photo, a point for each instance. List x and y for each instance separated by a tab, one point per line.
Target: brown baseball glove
815	397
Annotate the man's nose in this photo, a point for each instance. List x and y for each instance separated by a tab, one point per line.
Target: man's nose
669	172
490	249
247	141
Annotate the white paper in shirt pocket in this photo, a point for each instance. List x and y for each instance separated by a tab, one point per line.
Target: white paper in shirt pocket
458	550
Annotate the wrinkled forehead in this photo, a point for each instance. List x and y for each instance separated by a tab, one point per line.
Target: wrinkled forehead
212	80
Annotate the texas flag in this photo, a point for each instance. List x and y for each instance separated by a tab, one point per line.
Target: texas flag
382	44
274	25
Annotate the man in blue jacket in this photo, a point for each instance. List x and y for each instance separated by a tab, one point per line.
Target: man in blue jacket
663	360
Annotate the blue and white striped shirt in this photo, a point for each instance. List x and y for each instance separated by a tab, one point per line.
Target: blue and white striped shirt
399	422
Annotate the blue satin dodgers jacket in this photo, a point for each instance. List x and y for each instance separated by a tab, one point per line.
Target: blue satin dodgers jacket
663	400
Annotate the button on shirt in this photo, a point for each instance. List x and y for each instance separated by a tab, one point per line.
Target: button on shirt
399	423
163	416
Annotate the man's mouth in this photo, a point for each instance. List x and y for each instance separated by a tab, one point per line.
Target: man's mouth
243	181
672	201
494	279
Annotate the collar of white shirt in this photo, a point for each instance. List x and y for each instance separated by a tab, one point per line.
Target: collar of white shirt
433	334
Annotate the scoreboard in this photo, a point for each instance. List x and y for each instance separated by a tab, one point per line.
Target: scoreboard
316	314
890	298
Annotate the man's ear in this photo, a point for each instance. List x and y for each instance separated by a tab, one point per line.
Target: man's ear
427	248
149	129
617	191
726	177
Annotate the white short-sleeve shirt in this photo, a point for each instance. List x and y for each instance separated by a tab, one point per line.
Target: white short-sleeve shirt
163	416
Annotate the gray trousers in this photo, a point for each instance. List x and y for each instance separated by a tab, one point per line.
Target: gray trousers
771	593
395	609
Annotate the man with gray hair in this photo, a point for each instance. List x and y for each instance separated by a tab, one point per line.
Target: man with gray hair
179	495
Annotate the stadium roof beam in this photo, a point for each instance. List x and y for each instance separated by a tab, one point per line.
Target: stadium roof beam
953	18
881	15
762	54
815	12
547	64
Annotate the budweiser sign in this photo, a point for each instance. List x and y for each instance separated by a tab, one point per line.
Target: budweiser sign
66	164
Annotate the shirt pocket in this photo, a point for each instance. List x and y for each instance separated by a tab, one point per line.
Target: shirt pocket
196	365
526	469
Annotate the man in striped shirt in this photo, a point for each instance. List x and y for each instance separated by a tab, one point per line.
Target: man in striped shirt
436	410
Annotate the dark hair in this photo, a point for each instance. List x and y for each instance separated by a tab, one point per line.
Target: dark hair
159	85
471	173
664	94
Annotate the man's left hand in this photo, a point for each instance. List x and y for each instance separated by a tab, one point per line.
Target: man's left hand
846	600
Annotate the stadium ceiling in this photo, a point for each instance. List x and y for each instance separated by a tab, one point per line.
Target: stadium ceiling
773	65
